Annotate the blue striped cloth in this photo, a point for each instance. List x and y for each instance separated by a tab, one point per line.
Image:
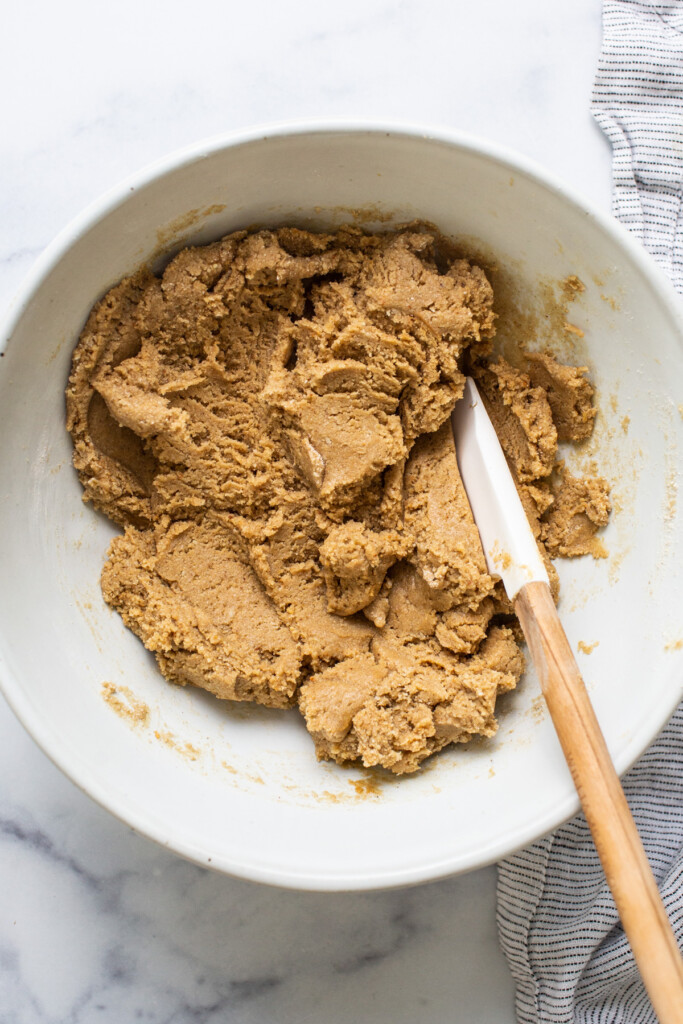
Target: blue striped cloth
557	922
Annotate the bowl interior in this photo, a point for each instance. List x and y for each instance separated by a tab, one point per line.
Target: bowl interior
239	787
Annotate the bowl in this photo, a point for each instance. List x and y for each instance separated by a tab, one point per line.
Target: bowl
238	788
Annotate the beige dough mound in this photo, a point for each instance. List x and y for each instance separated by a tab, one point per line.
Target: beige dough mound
268	423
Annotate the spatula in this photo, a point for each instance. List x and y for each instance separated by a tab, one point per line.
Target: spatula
511	553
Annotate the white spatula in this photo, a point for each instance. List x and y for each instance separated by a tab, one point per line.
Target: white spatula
511	553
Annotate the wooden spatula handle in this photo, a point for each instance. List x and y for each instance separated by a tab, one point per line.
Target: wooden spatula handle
621	852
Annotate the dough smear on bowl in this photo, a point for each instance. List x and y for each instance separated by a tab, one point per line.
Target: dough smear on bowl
268	422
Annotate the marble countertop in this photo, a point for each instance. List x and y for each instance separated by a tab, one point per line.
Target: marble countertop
97	924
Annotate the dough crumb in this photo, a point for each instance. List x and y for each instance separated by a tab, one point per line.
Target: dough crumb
573	286
123	701
186	750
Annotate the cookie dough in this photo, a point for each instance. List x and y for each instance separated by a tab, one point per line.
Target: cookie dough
268	423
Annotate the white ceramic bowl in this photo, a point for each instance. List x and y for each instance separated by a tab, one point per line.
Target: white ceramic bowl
238	788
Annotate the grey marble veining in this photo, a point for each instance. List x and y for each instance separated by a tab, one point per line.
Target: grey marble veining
97	924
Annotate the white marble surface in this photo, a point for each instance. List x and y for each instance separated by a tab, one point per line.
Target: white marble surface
97	924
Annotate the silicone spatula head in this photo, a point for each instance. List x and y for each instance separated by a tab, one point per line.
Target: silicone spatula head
509	545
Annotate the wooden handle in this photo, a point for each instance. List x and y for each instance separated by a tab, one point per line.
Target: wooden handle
619	847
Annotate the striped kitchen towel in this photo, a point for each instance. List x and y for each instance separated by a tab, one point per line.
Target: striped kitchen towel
558	925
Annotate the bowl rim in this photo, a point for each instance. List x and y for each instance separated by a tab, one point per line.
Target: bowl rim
69	761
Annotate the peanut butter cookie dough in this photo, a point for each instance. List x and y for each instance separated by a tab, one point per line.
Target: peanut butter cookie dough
268	423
